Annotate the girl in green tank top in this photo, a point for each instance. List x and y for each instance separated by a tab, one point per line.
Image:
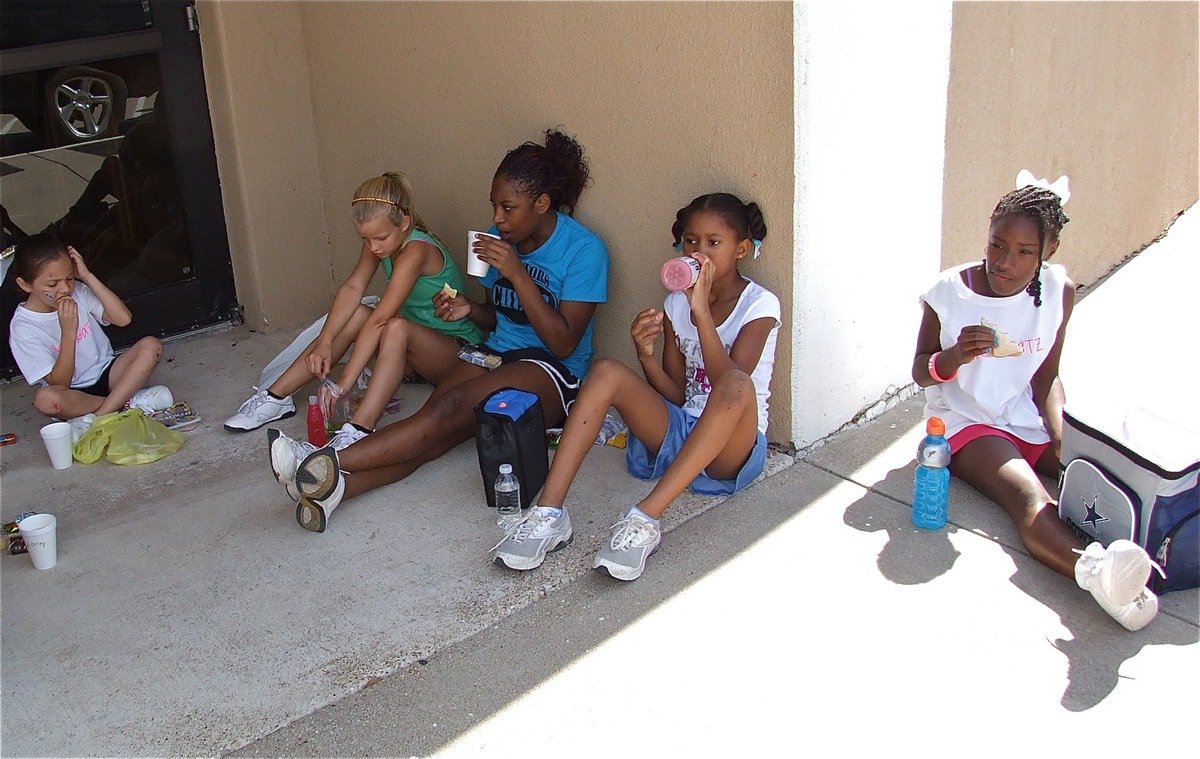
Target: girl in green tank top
417	266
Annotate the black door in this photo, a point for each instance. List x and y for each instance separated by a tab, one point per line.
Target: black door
105	139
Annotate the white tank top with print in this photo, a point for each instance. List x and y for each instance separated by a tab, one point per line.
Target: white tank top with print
995	390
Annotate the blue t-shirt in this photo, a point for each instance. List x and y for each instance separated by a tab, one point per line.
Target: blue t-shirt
571	265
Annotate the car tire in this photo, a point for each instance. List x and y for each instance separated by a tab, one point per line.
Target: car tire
85	104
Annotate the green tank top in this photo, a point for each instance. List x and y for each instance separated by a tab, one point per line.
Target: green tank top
418	307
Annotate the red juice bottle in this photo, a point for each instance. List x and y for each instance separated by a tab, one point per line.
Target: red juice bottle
316	422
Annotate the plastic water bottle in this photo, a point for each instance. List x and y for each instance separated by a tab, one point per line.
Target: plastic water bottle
316	422
508	497
931	487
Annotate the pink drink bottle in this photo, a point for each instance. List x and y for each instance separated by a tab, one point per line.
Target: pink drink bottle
680	273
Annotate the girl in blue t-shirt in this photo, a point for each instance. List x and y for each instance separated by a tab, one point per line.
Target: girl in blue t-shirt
547	275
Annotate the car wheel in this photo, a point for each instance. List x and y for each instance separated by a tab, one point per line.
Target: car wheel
85	103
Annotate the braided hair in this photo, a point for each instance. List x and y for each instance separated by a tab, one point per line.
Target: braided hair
1044	206
745	219
557	169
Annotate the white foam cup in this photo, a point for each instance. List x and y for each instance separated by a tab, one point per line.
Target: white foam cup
40	533
476	266
57	437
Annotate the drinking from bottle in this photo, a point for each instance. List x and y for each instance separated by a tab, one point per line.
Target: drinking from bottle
680	273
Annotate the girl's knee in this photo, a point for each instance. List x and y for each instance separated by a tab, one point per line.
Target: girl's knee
395	329
605	371
150	346
451	409
734	387
48	401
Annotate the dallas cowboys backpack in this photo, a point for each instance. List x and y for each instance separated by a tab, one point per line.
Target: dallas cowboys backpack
1139	483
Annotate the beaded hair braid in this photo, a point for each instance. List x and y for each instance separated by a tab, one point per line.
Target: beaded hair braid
1043	206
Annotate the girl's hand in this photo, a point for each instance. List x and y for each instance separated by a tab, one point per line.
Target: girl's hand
319	360
328	395
68	314
451	309
646	328
974	341
81	270
500	255
698	297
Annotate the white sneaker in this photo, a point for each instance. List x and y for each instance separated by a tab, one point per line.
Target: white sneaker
346	436
632	541
1134	615
259	409
80	425
526	544
151	399
1116	577
1118	573
285	455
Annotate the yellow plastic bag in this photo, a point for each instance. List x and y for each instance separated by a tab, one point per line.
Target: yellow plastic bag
130	437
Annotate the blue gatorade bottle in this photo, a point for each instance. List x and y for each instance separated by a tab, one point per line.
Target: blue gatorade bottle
931	487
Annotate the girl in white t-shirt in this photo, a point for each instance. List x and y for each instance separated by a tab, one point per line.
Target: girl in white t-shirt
987	354
696	419
79	378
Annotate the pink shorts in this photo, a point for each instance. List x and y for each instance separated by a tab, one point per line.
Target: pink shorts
1031	452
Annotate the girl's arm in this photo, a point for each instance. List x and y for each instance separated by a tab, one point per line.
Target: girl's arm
345	302
1048	392
973	341
408	266
666	378
64	364
562	329
115	310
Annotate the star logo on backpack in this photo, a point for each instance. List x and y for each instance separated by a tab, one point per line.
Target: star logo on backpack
1092	515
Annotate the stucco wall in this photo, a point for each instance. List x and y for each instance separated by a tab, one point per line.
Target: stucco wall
669	100
1103	92
870	114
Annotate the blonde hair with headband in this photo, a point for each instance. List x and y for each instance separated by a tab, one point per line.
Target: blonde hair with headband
389	194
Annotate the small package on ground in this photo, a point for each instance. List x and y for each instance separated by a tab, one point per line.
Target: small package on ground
512	430
1130	474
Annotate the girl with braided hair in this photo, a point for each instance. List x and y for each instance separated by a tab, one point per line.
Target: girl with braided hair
696	419
987	355
417	266
547	275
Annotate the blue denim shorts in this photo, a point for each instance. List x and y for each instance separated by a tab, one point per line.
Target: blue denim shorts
679	426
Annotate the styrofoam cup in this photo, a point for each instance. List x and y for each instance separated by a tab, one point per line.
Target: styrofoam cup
57	437
476	266
40	533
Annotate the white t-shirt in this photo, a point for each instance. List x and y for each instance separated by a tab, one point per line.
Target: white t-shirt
992	390
755	302
34	338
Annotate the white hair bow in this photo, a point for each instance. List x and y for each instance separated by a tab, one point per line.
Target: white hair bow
1059	187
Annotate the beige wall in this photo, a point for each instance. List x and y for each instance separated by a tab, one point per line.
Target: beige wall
1103	92
257	75
669	100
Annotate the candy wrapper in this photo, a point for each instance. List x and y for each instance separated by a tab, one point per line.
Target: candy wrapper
13	543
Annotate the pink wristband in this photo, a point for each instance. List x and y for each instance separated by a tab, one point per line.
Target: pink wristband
933	369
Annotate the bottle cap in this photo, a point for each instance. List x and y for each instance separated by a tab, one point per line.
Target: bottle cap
935	426
312	400
506	469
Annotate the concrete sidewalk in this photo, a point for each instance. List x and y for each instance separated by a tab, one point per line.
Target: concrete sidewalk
190	615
